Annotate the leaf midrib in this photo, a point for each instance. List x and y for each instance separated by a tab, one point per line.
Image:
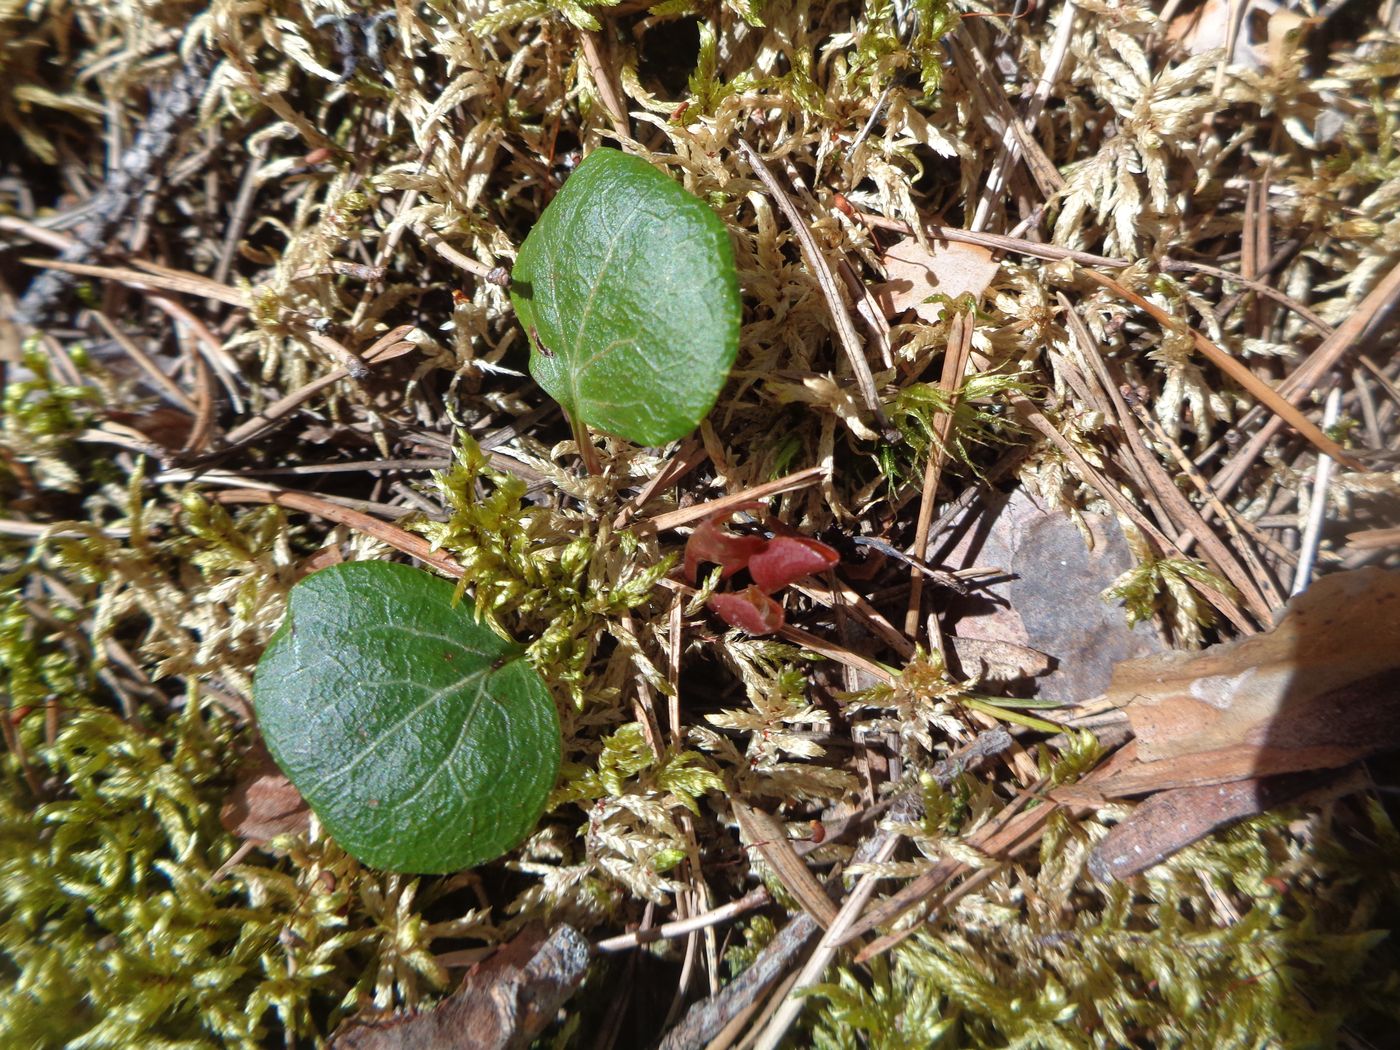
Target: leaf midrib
389	730
576	369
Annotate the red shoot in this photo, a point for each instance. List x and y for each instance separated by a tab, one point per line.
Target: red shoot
710	543
750	610
786	559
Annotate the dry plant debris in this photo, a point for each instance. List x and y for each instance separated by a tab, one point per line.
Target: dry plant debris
255	319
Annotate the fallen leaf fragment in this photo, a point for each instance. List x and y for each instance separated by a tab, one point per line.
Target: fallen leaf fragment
786	559
1049	600
263	804
503	1004
951	268
750	610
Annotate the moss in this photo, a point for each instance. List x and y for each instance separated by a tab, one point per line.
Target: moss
1042	959
129	632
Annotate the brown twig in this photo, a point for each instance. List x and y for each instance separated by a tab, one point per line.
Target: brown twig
1377	303
389	346
190	284
595	49
399	539
995	241
1177	509
955	360
685	515
705	1019
132	175
146	363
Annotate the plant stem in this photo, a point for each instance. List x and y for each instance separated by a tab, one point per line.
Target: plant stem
591	462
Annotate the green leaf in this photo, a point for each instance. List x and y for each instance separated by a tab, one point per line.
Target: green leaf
627	289
422	740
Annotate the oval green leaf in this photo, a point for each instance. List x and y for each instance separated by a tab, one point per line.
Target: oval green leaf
627	289
422	740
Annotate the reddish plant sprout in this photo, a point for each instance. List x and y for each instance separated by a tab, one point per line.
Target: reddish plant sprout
773	564
786	559
730	551
750	610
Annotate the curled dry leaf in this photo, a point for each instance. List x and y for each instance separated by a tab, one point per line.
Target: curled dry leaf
750	610
1316	692
263	804
915	274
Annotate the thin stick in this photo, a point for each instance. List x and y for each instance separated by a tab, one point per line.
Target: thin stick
955	360
869	125
878	849
707	1018
1228	517
211	350
1374	539
605	80
390	345
451	254
816	262
126	180
684	516
1282	298
191	285
1306	376
686	458
996	241
1177	510
147	364
873	851
35	529
1317	512
1009	151
242	211
399	539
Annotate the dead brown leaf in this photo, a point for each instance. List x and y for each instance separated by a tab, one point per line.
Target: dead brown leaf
1316	692
1049	604
263	804
951	268
503	1003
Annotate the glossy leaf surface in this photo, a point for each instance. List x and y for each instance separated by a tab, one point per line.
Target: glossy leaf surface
422	740
627	289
